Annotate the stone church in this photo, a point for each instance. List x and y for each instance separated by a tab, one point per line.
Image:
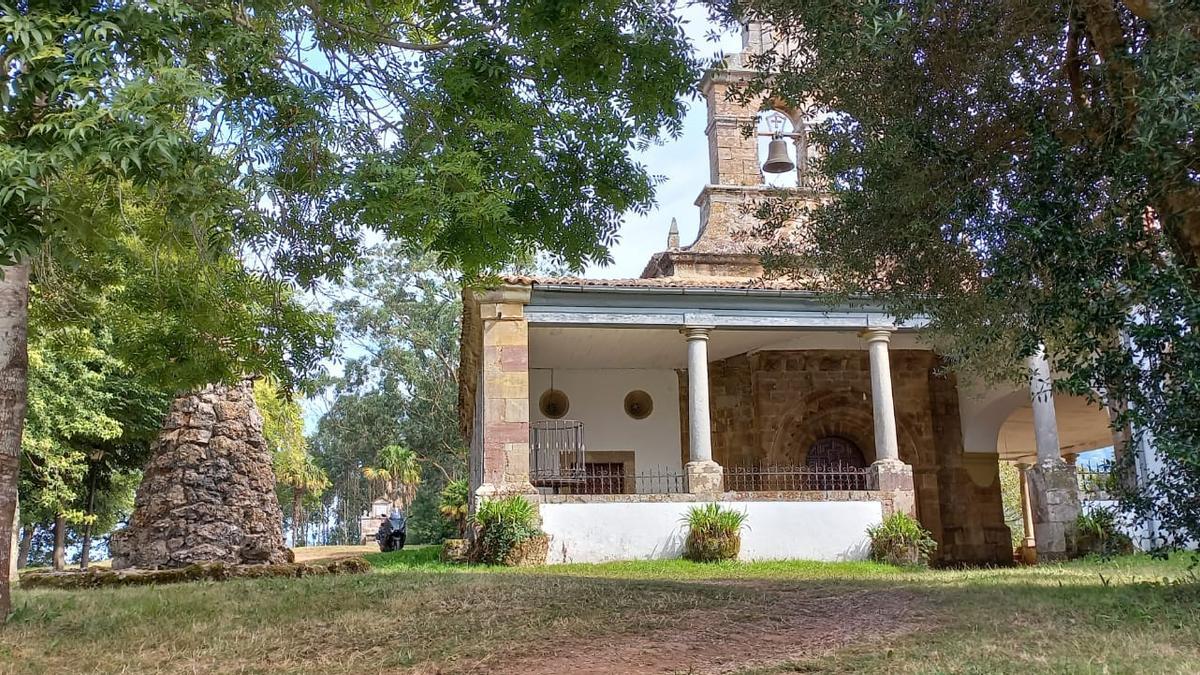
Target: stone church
615	404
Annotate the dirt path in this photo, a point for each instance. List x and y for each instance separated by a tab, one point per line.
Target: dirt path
775	623
327	553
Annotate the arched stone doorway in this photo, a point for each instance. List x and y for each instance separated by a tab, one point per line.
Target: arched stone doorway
834	451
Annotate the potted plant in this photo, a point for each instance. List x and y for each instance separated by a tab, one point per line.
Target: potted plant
508	533
900	540
453	505
714	533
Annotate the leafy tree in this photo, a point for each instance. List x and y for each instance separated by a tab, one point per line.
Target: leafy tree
344	444
402	317
301	481
89	426
1023	174
479	131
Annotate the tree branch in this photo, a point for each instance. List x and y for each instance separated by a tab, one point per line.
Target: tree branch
372	35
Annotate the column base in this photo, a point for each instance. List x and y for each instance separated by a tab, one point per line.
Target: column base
705	478
891	474
1053	495
1027	551
895	477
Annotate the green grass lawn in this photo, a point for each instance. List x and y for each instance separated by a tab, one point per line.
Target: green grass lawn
414	614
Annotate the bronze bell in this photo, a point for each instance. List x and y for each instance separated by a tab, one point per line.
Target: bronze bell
778	160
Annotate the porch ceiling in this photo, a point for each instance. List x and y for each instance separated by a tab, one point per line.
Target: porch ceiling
592	347
1081	427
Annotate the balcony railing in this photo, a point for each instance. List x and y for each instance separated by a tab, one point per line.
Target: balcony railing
797	478
556	453
610	478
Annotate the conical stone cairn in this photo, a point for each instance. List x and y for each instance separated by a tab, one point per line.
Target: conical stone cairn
208	494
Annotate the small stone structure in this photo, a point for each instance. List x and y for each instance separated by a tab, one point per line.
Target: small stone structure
208	494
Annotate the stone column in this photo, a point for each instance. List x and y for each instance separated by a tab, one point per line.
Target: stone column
890	472
1053	492
1028	543
504	401
704	475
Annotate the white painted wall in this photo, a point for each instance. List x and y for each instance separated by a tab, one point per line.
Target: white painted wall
598	400
589	533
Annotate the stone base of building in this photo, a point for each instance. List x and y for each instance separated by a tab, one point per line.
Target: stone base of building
501	490
705	478
1053	495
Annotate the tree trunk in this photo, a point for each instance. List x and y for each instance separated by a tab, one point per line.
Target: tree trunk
296	540
60	542
24	546
14	365
86	551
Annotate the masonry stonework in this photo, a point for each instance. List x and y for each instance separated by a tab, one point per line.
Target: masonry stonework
208	494
502	400
770	407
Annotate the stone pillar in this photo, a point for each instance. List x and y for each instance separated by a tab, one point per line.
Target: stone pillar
504	392
1053	492
890	472
1028	543
704	475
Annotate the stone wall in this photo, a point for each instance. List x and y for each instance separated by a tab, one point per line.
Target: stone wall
208	494
734	433
769	407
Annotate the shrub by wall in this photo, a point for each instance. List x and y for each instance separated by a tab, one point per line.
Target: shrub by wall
508	533
900	540
714	533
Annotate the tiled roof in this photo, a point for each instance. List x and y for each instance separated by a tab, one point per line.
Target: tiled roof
666	282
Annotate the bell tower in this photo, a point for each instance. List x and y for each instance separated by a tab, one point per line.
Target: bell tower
727	245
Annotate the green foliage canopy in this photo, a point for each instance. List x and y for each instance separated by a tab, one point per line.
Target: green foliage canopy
1021	173
481	131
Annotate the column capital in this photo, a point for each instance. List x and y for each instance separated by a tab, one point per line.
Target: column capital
696	332
877	333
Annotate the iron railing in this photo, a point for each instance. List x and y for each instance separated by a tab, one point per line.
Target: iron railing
556	453
610	478
1094	484
797	478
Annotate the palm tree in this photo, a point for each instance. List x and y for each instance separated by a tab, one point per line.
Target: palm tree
454	503
400	470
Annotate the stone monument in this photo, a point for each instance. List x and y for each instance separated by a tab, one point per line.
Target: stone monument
209	490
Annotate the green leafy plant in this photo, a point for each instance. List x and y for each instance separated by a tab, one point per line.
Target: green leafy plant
900	540
1096	531
505	526
453	503
714	533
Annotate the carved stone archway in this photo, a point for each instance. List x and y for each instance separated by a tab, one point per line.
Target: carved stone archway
835	451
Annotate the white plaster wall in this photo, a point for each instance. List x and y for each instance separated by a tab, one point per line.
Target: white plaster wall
598	400
589	533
